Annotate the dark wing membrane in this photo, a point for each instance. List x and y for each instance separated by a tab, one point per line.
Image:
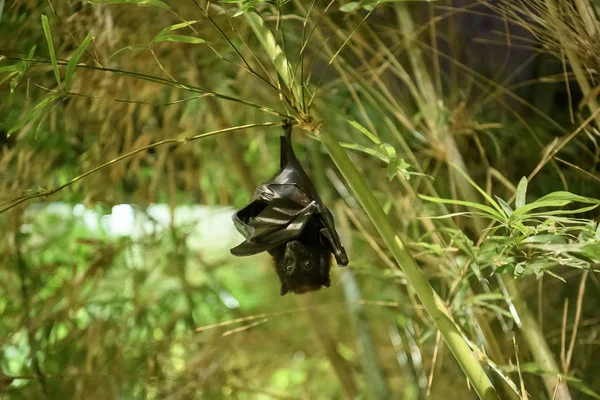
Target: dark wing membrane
268	224
332	237
248	249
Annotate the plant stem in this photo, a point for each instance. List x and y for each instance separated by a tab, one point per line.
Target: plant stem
268	42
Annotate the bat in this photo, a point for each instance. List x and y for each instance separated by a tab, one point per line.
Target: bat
287	218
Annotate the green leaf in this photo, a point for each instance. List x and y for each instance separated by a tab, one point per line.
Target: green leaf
505	269
518	271
366	150
398	165
532	368
554	199
247	7
154	3
507	209
592	250
369	4
48	34
30	55
19	71
388	150
7	77
134	47
552	239
480	190
458	214
562	212
365	132
9	68
484	297
172	28
72	64
521	193
35	111
350	6
179	38
489	210
391	169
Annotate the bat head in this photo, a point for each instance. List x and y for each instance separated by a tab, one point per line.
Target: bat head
302	266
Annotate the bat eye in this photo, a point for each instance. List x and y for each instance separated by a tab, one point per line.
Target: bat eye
306	264
289	268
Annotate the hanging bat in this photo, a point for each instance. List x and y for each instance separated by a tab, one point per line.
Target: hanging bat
288	219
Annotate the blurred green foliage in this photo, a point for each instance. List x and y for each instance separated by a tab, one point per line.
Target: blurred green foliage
162	311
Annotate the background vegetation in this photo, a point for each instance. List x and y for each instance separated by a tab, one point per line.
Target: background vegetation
130	130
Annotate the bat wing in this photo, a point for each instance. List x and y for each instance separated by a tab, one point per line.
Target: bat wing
277	214
332	237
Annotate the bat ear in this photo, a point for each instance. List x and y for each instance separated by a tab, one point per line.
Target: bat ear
284	290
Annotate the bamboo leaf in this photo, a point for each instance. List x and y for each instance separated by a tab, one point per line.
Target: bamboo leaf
554	199
133	47
366	150
480	190
247	7
491	213
35	111
365	132
369	4
562	212
9	68
72	64
48	34
592	250
164	33
521	193
553	239
154	3
505	206
179	38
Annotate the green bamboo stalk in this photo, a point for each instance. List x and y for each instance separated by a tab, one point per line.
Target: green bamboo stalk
432	303
284	68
